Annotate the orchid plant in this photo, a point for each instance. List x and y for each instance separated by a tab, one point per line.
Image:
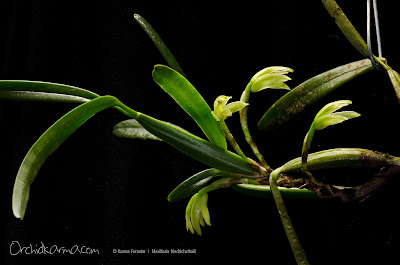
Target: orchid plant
226	168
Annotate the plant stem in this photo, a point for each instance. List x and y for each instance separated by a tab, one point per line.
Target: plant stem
243	122
232	141
297	249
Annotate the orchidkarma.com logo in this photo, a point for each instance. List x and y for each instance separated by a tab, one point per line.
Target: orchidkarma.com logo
41	249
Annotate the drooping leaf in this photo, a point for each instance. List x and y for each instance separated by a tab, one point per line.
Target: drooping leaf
132	129
165	52
184	93
395	79
43	91
47	144
193	184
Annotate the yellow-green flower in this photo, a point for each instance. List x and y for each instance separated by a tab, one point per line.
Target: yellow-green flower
222	110
197	213
271	77
327	116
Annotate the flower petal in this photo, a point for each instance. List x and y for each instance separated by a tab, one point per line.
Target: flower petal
205	213
187	214
236	106
271	70
195	213
269	81
334	118
332	107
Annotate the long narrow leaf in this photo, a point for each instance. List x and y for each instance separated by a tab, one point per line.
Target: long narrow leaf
132	129
43	91
346	26
47	144
184	93
196	147
40	96
307	93
165	52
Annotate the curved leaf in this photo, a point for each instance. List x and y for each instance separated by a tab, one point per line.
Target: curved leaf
43	91
132	129
184	93
342	158
307	93
165	52
196	147
192	185
47	144
264	191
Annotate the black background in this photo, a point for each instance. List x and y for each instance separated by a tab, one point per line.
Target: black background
108	193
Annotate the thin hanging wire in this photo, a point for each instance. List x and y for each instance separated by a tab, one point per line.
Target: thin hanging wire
378	34
378	31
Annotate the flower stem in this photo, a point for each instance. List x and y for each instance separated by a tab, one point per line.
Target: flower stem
245	128
231	140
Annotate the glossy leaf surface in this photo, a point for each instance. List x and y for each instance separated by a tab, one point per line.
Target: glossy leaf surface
47	144
162	47
43	91
132	129
264	191
192	185
196	147
184	93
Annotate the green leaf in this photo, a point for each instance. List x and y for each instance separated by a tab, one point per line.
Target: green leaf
47	144
196	147
346	26
395	79
184	93
264	191
193	184
132	129
43	91
307	93
165	52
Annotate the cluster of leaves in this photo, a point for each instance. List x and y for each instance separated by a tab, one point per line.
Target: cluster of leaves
231	168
